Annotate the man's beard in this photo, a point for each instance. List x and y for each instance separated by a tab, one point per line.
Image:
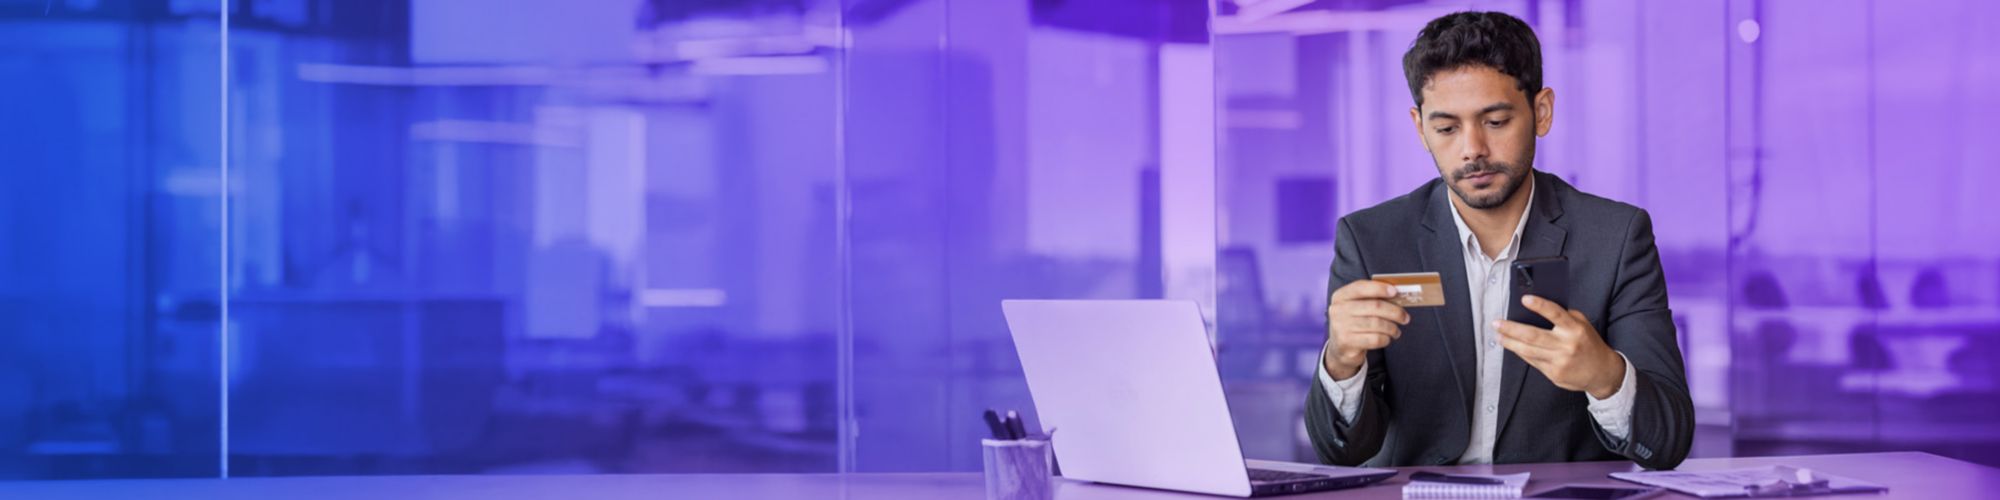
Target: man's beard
1512	183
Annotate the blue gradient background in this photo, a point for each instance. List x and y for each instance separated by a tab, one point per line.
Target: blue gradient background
605	236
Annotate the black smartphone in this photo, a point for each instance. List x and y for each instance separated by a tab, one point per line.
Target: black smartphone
1545	277
1597	492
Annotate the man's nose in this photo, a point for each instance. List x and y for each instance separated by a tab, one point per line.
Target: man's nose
1474	146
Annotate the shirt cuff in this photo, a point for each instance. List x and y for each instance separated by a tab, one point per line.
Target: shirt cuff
1614	414
1346	394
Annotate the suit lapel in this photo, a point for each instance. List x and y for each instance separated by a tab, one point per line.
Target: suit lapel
1442	251
1541	237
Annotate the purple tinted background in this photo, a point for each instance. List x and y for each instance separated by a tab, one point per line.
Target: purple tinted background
771	235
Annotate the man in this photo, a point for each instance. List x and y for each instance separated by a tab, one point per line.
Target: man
1458	383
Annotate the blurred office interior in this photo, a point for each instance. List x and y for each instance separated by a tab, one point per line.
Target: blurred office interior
305	237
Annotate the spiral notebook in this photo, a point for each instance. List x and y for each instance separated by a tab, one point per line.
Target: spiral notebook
1424	485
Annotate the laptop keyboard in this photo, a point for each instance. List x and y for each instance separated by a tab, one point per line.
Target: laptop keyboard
1279	476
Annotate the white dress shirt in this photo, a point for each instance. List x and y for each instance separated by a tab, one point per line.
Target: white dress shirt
1487	280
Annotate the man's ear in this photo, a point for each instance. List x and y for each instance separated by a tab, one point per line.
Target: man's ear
1416	119
1545	111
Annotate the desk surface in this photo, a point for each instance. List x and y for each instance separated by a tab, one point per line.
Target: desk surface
1908	475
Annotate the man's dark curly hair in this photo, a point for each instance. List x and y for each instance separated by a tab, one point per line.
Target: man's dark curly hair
1460	39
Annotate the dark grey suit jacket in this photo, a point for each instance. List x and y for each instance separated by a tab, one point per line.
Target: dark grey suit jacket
1416	408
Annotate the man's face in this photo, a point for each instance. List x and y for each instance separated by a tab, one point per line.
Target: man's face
1480	130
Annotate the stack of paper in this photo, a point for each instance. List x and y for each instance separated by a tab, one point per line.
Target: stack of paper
1776	480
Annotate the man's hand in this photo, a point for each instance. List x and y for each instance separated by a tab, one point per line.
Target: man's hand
1572	355
1360	318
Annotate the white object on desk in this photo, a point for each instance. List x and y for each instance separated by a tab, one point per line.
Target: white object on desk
1510	486
1776	480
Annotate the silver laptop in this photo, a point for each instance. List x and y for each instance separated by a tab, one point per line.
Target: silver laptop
1130	390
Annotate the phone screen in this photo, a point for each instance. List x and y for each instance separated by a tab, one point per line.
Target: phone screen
1593	492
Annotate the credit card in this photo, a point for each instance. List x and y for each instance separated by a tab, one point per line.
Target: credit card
1415	289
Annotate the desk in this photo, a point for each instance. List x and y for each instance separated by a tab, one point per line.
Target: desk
1908	475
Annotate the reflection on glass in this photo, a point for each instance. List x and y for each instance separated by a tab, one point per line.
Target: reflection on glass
1866	293
549	238
998	150
110	195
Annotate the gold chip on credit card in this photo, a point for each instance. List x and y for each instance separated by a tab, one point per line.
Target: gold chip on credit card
1415	289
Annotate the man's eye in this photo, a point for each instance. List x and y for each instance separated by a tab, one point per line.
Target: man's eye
1496	123
1447	130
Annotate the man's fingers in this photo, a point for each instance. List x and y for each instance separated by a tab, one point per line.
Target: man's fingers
1364	289
1370	324
1372	308
1578	317
1534	355
1522	333
1365	341
1386	310
1555	313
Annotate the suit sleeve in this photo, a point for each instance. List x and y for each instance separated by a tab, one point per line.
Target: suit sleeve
1338	440
1641	327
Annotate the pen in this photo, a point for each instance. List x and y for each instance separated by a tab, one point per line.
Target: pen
1443	478
993	425
1014	426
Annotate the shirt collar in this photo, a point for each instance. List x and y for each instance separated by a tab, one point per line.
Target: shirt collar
1471	243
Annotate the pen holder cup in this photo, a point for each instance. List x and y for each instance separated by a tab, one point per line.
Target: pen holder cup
1018	469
